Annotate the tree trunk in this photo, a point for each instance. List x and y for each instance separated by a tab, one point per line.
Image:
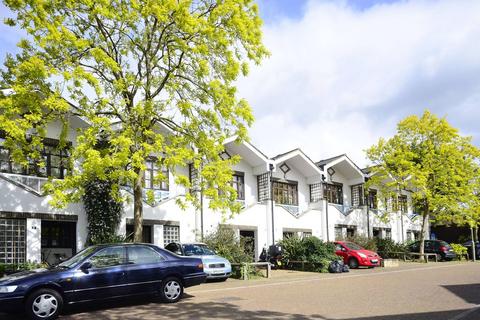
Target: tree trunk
425	217
138	208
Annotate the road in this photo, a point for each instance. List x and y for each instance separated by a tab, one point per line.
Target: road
443	291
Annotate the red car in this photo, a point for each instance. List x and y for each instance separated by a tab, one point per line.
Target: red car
356	256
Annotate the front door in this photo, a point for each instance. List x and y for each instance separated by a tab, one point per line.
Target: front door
105	279
146	234
247	238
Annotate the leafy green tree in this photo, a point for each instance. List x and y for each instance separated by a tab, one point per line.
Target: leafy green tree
429	158
155	78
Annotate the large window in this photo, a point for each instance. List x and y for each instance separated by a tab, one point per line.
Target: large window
57	234
55	161
333	192
357	195
171	234
151	173
12	241
315	192
238	183
285	193
372	199
402	203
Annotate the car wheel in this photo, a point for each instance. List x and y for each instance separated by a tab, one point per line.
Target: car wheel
353	263
44	304
439	257
171	290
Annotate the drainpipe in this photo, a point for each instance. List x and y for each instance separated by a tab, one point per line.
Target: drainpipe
368	220
271	203
326	209
401	223
474	249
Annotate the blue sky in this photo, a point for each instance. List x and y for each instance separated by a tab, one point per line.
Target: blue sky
344	72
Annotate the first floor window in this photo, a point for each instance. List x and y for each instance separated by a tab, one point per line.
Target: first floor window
357	195
333	192
285	193
402	203
151	172
372	199
170	234
238	183
315	192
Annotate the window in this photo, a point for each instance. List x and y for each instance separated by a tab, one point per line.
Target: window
263	187
171	234
377	232
372	199
56	234
238	183
55	161
151	173
315	192
388	233
351	231
285	193
306	234
12	241
333	193
288	234
338	232
143	255
108	257
402	203
357	195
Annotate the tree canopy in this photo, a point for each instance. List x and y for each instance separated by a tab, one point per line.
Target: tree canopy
429	158
153	78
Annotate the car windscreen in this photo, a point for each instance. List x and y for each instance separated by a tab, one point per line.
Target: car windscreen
445	244
196	250
77	258
352	246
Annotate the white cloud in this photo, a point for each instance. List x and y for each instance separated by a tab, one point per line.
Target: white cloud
340	78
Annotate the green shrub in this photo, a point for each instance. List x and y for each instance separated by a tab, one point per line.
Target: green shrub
226	244
387	247
12	268
363	241
459	250
309	249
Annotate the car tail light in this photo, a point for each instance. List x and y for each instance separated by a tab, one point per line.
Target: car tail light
200	266
443	248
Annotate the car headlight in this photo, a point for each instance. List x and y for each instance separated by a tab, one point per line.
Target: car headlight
363	255
7	289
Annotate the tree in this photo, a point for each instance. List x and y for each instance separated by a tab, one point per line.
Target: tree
155	78
429	158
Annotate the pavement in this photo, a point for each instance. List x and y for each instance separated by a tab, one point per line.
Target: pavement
443	291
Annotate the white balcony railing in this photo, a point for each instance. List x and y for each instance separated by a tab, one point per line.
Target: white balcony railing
30	183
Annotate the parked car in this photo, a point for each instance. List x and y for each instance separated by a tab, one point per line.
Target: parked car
355	256
215	267
443	250
100	272
468	244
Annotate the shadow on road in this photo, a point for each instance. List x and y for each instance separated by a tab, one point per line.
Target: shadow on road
148	308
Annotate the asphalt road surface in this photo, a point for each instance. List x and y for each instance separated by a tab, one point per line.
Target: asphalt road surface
443	291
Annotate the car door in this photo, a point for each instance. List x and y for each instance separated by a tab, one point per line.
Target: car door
429	246
106	278
341	251
145	269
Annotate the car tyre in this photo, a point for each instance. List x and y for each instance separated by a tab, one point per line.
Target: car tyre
171	290
44	304
353	263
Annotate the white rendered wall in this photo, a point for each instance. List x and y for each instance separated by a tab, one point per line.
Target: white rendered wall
33	240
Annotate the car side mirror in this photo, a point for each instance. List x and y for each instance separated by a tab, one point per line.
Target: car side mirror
85	266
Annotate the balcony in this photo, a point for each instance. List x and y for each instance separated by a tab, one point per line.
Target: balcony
32	184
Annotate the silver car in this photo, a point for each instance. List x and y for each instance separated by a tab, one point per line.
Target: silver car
214	266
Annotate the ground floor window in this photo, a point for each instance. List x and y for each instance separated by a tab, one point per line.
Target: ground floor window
345	231
12	241
171	234
382	233
413	235
247	240
58	240
299	234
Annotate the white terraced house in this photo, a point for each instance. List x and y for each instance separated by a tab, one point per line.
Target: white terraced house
286	195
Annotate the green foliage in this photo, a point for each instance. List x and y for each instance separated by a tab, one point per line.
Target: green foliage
12	268
309	249
163	71
363	241
459	250
103	213
226	244
428	157
387	247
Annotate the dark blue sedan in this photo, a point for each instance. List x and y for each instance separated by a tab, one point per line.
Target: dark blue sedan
100	272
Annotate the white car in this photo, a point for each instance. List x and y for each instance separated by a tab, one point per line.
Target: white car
214	266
